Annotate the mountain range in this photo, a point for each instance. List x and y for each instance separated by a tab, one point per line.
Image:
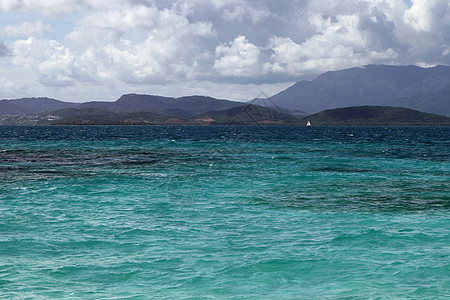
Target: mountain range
181	107
139	109
423	89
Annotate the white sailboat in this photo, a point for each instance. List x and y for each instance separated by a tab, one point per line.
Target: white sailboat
308	123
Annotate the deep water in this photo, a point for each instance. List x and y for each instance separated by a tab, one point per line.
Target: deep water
224	212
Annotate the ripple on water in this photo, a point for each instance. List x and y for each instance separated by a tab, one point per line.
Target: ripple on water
202	212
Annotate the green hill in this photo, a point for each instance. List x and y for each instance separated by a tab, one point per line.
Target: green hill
242	115
94	116
375	115
245	114
183	107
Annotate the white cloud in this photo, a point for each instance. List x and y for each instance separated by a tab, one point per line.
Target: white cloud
25	29
426	31
49	59
428	15
238	58
137	44
339	44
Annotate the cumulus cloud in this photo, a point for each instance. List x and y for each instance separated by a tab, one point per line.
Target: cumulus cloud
339	43
354	33
238	58
51	61
142	44
426	32
428	15
136	44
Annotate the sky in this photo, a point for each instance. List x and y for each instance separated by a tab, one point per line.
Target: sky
80	50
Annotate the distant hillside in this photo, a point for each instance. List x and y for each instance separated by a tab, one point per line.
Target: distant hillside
91	116
376	115
242	115
246	114
369	85
183	107
436	101
32	106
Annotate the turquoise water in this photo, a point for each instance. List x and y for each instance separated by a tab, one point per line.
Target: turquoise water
224	212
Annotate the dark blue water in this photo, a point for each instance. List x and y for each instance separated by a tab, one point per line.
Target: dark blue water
236	212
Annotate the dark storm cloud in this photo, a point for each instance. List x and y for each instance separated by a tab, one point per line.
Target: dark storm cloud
378	31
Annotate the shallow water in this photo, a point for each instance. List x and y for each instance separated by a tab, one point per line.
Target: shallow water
213	212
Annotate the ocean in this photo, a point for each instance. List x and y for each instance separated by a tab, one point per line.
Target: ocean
224	212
